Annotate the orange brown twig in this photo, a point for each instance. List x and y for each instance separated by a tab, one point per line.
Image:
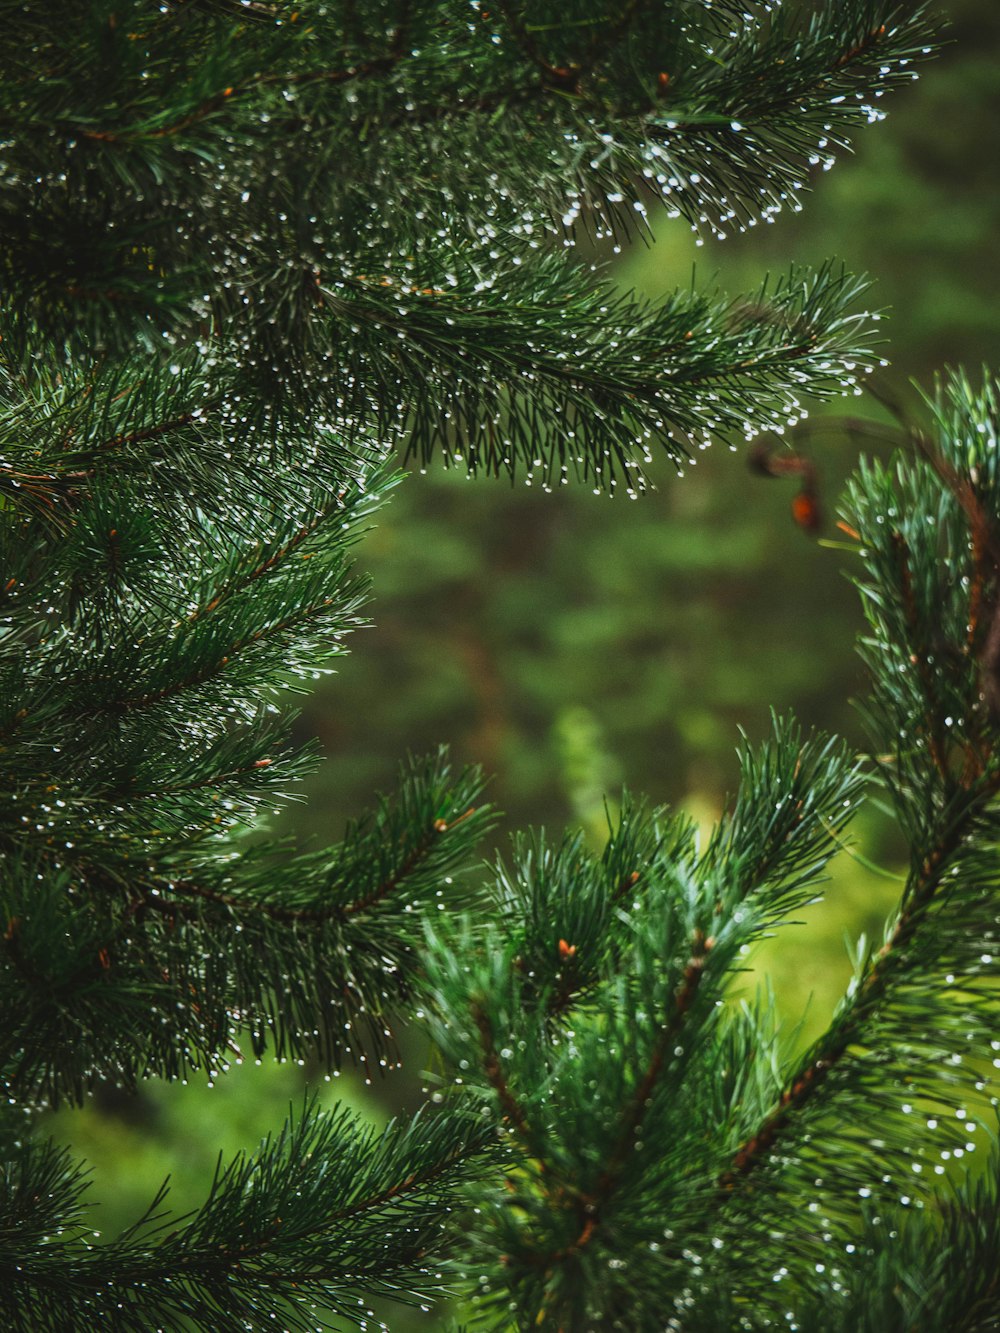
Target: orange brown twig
494	1072
932	729
862	47
806	509
822	1060
562	77
684	998
588	1205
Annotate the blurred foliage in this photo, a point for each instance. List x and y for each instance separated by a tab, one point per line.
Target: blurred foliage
569	643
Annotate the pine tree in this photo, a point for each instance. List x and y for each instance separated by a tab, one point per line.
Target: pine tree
254	255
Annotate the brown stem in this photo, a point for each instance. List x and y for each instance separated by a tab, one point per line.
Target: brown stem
684	997
862	48
98	293
280	912
984	596
235	1257
588	1206
824	1057
364	70
48	487
260	570
191	682
976	590
494	1073
151	432
935	736
213	780
388	885
564	77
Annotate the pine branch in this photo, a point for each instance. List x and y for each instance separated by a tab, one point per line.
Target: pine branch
301	953
160	896
610	1109
448	94
925	1269
948	805
327	1212
678	374
634	1113
850	1030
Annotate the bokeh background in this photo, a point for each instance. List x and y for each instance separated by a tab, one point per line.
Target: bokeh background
571	643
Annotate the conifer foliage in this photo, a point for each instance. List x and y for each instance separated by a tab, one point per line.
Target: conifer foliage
253	255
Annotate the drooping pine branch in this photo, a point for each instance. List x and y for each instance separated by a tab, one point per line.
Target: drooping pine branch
507	130
930	711
322	1218
116	966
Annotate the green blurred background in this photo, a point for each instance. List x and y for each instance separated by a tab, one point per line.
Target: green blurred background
570	643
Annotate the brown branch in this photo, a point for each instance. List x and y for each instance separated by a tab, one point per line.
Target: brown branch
191	682
414	1181
549	1261
391	882
366	69
862	48
41	491
99	293
565	78
984	594
588	1206
494	1073
964	492
983	637
234	1258
684	998
281	912
960	487
46	488
260	570
213	780
151	432
824	1057
976	590
932	725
